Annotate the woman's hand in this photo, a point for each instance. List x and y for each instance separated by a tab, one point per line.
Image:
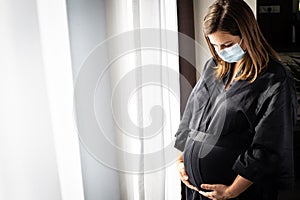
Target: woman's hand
183	176
217	191
222	192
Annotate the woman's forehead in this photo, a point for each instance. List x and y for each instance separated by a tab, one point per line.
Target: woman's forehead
221	37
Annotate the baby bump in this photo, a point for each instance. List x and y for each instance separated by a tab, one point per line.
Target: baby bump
208	163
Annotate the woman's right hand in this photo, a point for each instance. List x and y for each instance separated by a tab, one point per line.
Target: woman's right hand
182	173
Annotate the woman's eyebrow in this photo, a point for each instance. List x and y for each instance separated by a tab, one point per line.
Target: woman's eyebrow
224	43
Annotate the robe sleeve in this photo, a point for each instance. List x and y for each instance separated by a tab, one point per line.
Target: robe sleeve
271	151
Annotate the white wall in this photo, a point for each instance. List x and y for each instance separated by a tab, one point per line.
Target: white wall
87	25
28	168
202	51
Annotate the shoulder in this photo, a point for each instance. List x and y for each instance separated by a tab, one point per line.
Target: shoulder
276	75
277	82
207	75
277	72
209	66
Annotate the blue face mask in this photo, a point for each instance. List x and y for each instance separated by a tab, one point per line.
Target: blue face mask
231	54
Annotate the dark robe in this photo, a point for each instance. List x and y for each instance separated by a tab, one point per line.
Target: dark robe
245	130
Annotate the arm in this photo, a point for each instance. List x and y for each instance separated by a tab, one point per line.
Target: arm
270	156
239	185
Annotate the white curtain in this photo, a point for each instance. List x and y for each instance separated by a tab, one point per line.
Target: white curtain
39	153
131	81
145	81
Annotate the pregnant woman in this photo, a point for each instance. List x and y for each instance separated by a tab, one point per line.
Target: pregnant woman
236	134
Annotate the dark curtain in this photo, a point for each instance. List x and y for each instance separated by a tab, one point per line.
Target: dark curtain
185	13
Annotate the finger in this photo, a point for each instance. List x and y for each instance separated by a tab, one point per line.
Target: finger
193	188
210	195
208	186
189	185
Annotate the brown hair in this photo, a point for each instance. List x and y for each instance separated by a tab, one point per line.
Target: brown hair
236	18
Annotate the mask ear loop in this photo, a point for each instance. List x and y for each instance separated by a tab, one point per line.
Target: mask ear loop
241	41
239	71
241	47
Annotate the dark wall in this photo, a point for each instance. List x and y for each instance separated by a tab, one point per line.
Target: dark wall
279	23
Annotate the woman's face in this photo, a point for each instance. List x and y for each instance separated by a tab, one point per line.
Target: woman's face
221	40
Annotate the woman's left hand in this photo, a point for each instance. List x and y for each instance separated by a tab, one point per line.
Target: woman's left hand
217	191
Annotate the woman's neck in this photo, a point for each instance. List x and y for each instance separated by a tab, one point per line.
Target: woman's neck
233	72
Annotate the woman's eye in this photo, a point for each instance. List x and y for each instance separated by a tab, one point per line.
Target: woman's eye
223	46
227	45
